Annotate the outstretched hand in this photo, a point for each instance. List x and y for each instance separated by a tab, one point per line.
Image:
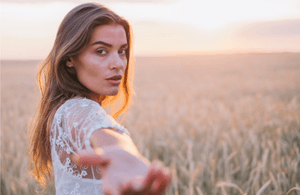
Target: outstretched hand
124	173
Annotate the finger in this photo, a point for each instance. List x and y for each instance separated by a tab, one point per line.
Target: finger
157	182
150	177
132	186
162	182
93	157
128	188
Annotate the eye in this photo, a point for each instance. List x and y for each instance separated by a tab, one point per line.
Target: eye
123	51
101	51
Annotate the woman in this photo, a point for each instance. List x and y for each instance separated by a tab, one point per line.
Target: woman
89	67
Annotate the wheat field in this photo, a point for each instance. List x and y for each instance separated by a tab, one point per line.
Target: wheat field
222	124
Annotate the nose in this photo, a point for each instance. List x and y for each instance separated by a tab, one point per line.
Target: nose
118	62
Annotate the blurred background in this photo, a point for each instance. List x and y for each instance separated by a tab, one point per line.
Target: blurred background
162	27
217	91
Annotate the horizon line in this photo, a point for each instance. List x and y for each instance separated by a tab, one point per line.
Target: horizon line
183	54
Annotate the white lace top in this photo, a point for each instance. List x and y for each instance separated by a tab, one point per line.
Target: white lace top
73	124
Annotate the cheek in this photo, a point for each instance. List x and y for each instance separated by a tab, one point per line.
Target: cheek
87	67
88	73
125	63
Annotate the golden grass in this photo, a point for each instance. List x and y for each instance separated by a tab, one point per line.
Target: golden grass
223	124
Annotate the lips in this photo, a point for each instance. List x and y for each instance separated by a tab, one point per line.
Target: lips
115	77
114	80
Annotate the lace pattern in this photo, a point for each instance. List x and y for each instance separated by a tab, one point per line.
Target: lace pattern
72	126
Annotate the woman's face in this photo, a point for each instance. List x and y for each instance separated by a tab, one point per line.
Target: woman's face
101	65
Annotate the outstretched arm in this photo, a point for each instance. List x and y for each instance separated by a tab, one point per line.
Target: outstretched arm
124	170
110	137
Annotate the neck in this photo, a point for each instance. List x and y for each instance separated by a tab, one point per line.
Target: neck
94	97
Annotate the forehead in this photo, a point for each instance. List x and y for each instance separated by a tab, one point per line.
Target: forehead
112	34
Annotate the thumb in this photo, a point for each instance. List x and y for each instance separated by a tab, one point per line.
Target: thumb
91	157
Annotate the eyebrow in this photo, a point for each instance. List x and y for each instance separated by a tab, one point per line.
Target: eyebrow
107	44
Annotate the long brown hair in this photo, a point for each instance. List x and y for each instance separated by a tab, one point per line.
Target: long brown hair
59	83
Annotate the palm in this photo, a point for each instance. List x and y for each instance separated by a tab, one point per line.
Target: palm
124	173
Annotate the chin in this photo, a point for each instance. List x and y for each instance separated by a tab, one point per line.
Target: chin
113	92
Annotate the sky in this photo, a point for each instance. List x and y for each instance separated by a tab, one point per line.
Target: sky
161	27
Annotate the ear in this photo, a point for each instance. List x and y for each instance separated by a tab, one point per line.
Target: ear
70	62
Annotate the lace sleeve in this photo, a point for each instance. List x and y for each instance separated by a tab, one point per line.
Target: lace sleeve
73	125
